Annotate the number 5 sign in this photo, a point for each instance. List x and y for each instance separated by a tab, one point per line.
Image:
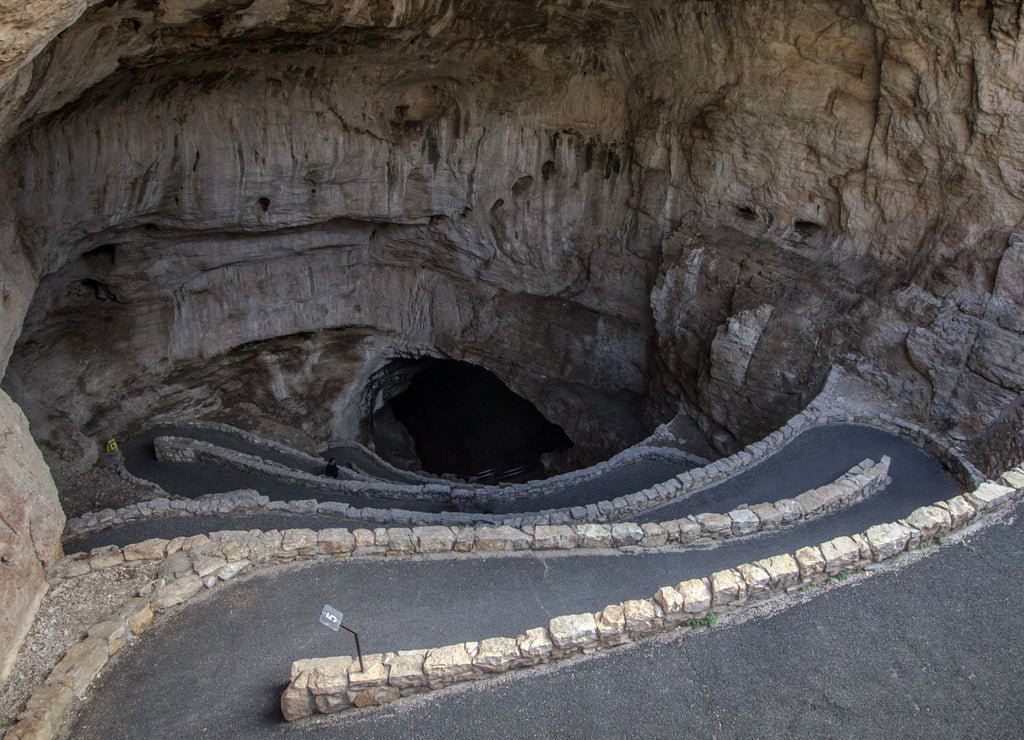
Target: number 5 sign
331	617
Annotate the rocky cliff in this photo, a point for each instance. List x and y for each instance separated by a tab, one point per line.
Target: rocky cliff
621	209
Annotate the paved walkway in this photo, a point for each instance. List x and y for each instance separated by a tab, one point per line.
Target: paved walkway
195	479
217	667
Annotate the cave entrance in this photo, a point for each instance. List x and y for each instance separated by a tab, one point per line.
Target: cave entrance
453	417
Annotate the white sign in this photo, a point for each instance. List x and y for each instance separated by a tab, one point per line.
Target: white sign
331	617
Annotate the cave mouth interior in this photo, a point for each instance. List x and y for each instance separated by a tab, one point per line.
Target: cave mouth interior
460	419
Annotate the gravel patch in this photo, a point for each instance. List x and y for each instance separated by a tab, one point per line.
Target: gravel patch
67	611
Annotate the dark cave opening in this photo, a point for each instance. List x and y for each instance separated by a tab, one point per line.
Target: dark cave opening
463	420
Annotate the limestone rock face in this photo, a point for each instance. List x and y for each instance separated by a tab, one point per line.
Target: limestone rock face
30	525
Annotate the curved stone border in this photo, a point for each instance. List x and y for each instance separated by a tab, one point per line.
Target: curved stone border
621	507
194	562
858	483
335	684
646	449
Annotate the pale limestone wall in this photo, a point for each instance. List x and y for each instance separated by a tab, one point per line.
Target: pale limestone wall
31	521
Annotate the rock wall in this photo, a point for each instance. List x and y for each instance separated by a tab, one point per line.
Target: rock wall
31	521
618	209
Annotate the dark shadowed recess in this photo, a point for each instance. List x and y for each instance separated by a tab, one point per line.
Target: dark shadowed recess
465	421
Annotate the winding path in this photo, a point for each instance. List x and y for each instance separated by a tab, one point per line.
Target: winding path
217	667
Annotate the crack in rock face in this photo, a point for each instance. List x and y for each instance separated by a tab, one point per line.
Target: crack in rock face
255	212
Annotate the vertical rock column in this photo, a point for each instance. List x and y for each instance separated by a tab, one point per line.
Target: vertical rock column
31	522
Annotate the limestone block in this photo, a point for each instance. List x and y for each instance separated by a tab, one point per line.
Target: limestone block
689	531
557	537
573	631
71	566
176	591
375	696
229	571
433	539
626	534
814	502
1013	479
151	549
611	625
264	545
327	703
48	704
654	535
535	645
30	728
326	676
744	522
811	563
496	654
865	549
105	557
642	615
380	537
986	497
727	589
671	528
372	672
887	539
670	600
915	536
715	526
961	512
783	571
302	541
295	702
336	541
195	541
756	580
930	521
770	517
204	565
840	553
137	614
406	669
696	595
501	539
448	664
789	510
175	565
113	631
594	535
400	541
366	543
80	664
465	539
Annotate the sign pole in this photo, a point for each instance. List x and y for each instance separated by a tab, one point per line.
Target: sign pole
331	618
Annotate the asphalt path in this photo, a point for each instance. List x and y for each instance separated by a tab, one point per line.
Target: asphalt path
224	659
818	456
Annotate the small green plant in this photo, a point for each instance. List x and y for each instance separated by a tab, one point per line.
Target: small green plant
708	620
925	545
842	575
938	539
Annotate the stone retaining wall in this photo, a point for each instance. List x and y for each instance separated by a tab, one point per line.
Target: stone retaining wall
192	563
339	683
621	507
234	546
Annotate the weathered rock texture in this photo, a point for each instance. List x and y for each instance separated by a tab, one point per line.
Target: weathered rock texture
215	205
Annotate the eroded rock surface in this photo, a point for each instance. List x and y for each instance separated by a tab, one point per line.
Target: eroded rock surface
246	210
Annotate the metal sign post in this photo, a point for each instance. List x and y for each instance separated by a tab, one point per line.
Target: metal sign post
331	617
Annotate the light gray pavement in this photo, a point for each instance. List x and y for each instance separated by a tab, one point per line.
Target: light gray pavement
217	667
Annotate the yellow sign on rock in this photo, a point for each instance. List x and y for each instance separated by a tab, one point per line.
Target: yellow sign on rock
111	445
